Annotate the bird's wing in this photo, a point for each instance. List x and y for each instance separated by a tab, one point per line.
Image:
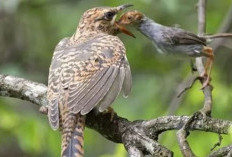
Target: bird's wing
54	84
102	78
88	72
177	36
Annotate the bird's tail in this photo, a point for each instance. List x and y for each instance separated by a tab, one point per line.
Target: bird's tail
209	38
72	139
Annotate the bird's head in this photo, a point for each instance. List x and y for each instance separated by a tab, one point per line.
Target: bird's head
132	17
102	19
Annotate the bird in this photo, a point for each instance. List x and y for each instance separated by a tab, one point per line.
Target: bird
171	40
88	70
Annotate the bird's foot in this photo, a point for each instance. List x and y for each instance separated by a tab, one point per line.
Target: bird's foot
111	111
205	79
205	83
43	110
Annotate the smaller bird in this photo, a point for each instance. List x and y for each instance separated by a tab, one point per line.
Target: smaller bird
171	40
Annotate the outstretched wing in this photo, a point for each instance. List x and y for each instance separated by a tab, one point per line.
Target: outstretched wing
92	73
177	36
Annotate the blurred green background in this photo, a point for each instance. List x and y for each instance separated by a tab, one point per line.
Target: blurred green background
29	31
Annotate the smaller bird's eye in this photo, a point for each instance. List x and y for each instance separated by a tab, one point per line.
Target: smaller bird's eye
129	17
109	15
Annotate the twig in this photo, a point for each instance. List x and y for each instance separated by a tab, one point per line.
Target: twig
182	87
206	110
175	101
225	27
201	17
189	86
182	135
219	35
218	143
183	143
184	131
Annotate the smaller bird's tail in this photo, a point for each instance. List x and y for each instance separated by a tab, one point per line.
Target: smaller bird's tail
209	38
73	140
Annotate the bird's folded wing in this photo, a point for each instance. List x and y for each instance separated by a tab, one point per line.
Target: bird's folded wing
88	80
101	89
127	84
84	100
177	36
114	90
54	86
100	86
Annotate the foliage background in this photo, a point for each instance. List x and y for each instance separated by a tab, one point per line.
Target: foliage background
29	31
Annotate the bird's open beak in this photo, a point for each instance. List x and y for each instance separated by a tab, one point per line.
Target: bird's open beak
120	27
124	30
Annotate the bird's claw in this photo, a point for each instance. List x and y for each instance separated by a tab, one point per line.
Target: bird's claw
43	110
205	83
205	79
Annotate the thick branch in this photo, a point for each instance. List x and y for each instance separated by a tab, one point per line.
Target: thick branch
23	89
224	151
114	130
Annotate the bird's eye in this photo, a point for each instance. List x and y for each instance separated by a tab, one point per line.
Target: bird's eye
129	18
109	15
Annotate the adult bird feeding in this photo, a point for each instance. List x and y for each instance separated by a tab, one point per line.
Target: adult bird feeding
171	40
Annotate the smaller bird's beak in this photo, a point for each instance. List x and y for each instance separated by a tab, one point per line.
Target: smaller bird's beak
120	21
124	30
120	27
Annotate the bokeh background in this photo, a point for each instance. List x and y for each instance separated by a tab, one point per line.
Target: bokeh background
29	31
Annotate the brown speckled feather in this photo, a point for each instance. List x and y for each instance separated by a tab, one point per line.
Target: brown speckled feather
87	70
80	78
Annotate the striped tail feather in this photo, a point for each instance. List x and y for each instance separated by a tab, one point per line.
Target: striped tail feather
73	140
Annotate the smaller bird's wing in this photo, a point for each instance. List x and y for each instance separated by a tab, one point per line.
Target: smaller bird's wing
177	36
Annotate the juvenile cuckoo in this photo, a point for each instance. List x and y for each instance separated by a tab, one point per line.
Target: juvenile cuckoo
88	70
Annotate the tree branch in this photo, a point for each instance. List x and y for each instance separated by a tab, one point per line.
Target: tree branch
224	151
225	27
199	61
183	133
137	136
